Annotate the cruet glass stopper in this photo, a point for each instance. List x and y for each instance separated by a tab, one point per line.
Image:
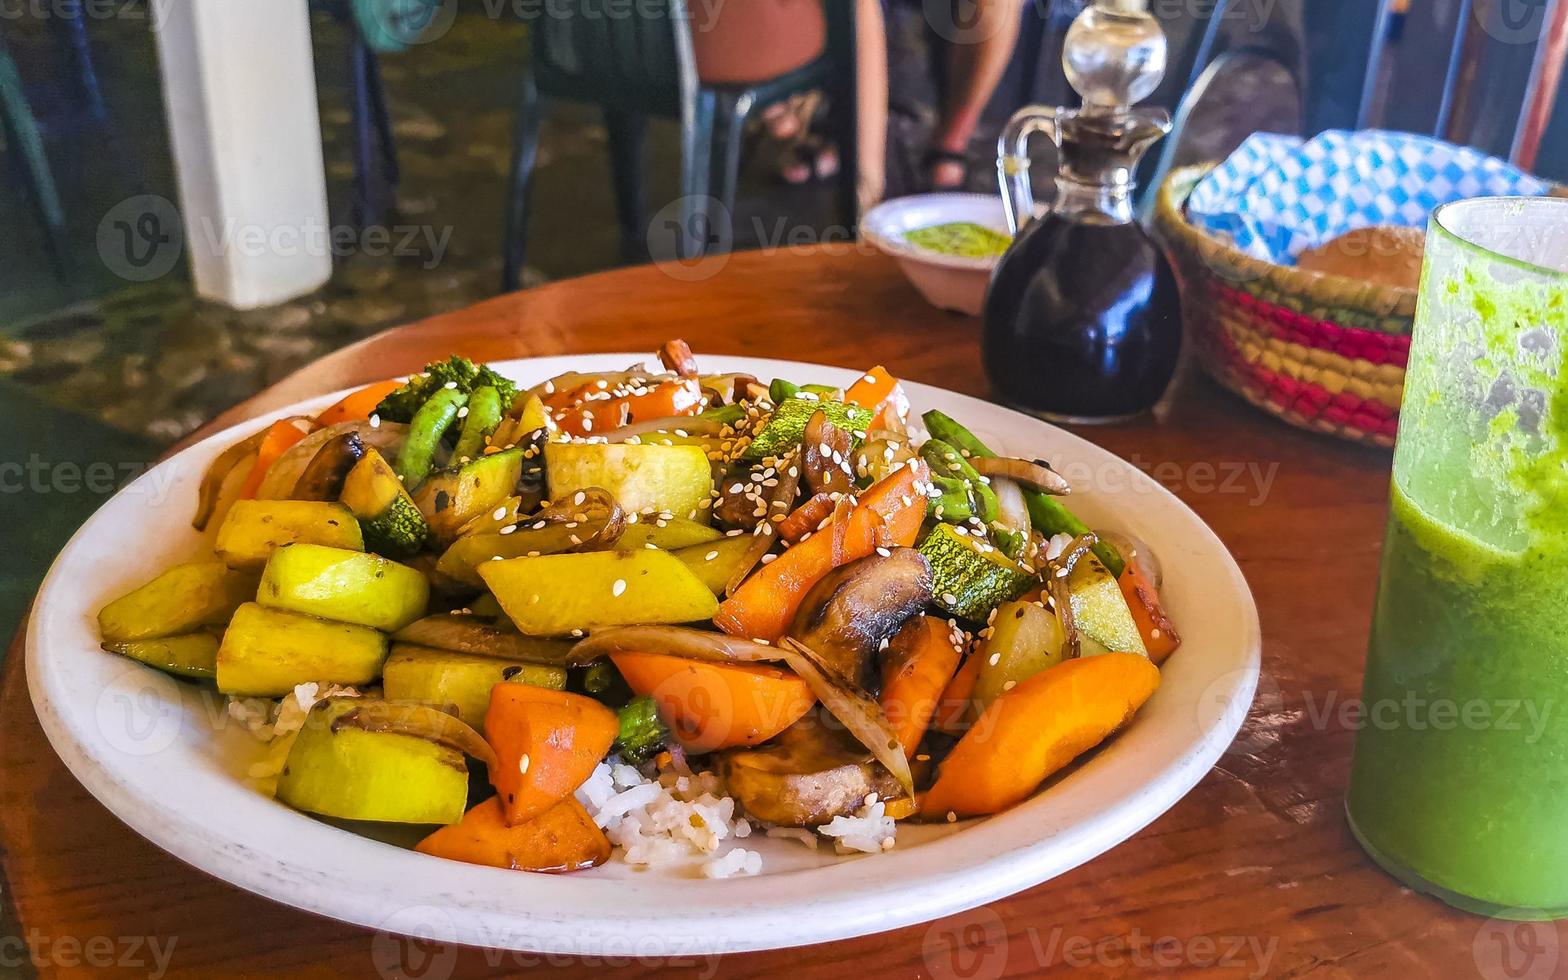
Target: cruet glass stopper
1114	56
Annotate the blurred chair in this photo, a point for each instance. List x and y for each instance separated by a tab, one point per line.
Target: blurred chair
25	143
646	65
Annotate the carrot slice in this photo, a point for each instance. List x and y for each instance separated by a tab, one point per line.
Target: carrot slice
357	406
1037	728
583	416
546	744
562	838
283	434
1159	633
712	706
913	685
765	604
879	390
805	518
955	709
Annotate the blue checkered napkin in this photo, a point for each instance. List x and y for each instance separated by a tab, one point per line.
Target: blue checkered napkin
1278	195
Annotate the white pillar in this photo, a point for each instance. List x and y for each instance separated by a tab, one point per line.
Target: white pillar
239	87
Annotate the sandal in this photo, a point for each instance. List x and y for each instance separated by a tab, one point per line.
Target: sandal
936	157
808	160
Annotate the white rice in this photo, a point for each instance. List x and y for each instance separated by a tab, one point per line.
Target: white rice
277	723
661	821
869	830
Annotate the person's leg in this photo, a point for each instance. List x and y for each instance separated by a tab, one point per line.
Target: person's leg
871	94
978	53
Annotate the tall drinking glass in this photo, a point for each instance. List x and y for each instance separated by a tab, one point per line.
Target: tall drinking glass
1460	780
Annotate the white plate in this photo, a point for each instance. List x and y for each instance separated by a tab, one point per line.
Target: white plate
146	746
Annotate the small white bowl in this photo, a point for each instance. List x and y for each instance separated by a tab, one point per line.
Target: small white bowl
948	282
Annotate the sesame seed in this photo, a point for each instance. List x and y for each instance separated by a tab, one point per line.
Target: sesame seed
509	529
884	552
996	658
578	499
462	413
375	421
1009	685
522	764
619	587
950	599
500	514
952	817
450	385
710	556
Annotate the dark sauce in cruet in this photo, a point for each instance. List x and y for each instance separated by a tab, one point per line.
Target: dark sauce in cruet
1082	320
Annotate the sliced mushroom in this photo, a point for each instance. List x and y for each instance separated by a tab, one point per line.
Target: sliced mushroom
1032	474
677	356
826	456
846	616
812	772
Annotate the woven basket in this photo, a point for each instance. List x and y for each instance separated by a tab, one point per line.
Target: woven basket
1322	352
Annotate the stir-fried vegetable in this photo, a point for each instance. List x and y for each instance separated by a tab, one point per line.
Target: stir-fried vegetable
681	571
1048	515
710	705
642	733
453	374
1036	728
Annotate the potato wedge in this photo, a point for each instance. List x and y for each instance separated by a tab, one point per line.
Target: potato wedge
642	478
463	680
253	529
267	652
346	772
185	597
193	655
346	586
552	595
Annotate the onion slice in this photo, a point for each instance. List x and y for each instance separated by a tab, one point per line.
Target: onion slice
1057	572
419	720
592	504
1034	474
386	437
474	634
674	641
217	472
862	717
691	425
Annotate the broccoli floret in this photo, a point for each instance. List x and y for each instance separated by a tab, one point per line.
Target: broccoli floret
643	732
460	372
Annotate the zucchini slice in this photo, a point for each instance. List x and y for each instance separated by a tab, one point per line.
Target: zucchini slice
390	521
971	577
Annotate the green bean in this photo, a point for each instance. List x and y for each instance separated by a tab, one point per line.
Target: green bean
424	434
484	414
946	460
1046	513
954	503
780	391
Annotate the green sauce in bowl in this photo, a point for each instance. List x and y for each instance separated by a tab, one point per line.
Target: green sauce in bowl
962	238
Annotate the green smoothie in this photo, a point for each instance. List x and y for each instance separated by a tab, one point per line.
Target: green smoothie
1461	773
1460	780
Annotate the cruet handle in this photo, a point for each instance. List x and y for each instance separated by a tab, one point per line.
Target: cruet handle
1012	161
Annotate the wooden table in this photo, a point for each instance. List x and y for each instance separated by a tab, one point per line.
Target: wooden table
1254	872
